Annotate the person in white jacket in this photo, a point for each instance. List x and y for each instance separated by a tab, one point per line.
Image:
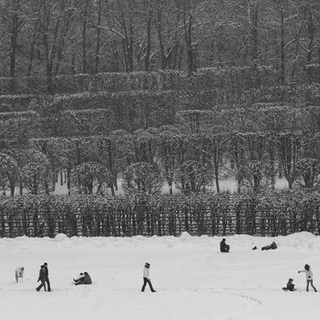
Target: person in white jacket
309	277
146	278
19	273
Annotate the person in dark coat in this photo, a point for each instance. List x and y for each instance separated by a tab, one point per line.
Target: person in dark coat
146	278
83	279
46	279
223	246
271	246
290	286
42	276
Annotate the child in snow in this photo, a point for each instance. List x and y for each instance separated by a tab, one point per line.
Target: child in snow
290	285
19	273
223	246
146	278
42	277
83	279
309	276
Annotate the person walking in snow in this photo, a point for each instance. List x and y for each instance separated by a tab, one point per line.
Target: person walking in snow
46	279
146	278
223	246
309	277
42	276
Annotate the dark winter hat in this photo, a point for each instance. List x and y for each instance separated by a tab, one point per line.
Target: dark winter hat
307	267
45	264
147	265
290	279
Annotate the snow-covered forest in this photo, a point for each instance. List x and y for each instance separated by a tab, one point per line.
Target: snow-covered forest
136	131
144	112
57	38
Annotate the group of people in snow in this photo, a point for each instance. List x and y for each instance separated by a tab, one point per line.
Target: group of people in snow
83	278
44	278
309	278
224	247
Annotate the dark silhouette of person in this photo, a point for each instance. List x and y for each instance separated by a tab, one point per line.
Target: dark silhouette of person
223	246
83	279
42	276
46	279
290	286
271	246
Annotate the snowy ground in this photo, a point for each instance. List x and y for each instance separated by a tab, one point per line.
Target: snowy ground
192	278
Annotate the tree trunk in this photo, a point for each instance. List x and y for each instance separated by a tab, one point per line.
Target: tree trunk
96	69
148	48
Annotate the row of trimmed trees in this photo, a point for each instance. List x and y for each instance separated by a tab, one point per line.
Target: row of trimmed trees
147	159
56	117
269	213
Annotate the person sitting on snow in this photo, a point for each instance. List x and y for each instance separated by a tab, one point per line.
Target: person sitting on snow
272	246
83	279
223	246
290	286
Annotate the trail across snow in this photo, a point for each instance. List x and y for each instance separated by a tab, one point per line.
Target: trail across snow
194	281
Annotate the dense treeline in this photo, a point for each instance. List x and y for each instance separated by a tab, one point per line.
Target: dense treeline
269	213
50	38
146	160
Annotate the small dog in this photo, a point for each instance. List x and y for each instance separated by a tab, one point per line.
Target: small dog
19	273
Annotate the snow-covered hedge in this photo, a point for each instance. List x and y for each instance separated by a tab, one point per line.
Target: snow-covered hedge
230	77
269	213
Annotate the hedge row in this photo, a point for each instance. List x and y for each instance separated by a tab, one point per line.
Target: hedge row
273	213
17	126
260	117
167	99
240	77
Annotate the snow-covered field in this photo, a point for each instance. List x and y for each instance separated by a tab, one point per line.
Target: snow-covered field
192	278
